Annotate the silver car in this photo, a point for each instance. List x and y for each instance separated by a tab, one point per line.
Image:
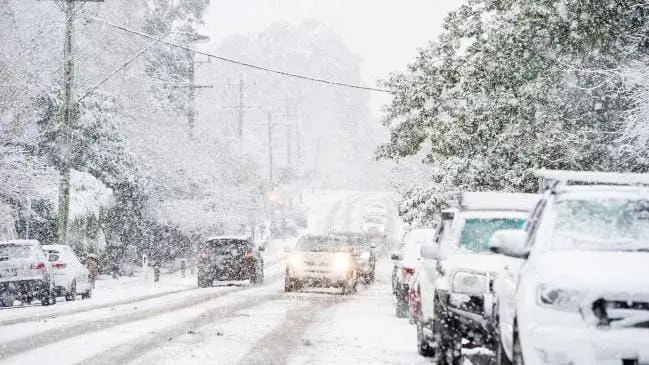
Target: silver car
25	273
322	261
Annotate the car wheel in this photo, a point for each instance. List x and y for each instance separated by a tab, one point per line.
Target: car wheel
517	350
72	294
422	343
7	301
401	307
449	344
87	295
288	285
501	355
203	281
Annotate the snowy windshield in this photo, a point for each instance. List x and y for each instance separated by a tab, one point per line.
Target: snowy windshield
321	244
14	251
374	220
601	224
476	232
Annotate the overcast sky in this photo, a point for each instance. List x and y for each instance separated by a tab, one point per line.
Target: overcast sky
385	33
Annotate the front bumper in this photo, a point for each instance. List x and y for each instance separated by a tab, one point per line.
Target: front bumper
560	345
319	278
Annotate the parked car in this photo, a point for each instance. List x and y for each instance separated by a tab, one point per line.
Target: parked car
229	258
376	209
404	260
69	274
457	269
375	225
321	261
364	253
576	288
25	273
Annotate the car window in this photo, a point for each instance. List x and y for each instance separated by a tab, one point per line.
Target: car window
476	232
600	224
226	246
320	244
10	251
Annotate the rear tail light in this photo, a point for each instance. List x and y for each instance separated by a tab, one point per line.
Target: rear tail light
39	266
59	265
408	271
247	254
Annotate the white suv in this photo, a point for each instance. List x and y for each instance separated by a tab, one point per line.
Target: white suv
576	288
455	273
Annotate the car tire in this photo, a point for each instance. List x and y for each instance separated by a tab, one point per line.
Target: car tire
402	309
48	300
87	295
517	350
7	301
423	348
72	294
450	351
501	355
203	281
289	285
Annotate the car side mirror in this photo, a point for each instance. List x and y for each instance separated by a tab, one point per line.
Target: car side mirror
396	256
510	242
429	251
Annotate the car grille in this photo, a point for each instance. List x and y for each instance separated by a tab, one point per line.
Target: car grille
621	313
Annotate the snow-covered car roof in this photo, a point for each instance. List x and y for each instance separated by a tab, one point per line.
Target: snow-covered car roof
586	190
56	247
228	237
493	201
21	242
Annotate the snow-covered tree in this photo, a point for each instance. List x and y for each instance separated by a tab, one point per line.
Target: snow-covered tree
516	85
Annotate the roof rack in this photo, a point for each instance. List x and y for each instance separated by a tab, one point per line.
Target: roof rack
552	179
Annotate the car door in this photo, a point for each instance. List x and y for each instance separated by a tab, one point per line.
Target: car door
508	285
80	272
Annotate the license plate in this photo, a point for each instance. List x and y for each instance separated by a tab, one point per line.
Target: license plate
8	273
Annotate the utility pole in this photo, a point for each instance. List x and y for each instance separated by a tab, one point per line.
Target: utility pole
66	130
269	125
241	106
67	114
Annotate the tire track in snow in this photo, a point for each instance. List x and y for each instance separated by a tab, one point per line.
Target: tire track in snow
130	352
41	339
274	348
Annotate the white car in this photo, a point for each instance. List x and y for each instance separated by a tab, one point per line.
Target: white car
404	261
70	275
321	261
576	288
375	225
455	273
25	273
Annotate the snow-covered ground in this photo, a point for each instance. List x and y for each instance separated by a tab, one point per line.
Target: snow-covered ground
137	321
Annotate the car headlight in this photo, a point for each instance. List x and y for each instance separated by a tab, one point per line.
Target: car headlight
560	299
471	283
365	255
295	262
341	263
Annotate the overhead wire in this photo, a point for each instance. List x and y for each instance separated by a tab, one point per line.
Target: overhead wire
240	63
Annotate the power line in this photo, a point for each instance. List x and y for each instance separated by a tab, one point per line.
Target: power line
240	63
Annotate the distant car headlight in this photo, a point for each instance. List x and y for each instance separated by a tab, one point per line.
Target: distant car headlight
465	282
296	262
341	263
365	255
560	299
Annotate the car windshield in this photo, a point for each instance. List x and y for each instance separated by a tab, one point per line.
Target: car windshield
227	246
476	232
374	220
321	244
601	224
14	251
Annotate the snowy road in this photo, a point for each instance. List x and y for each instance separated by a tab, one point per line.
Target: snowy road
176	323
